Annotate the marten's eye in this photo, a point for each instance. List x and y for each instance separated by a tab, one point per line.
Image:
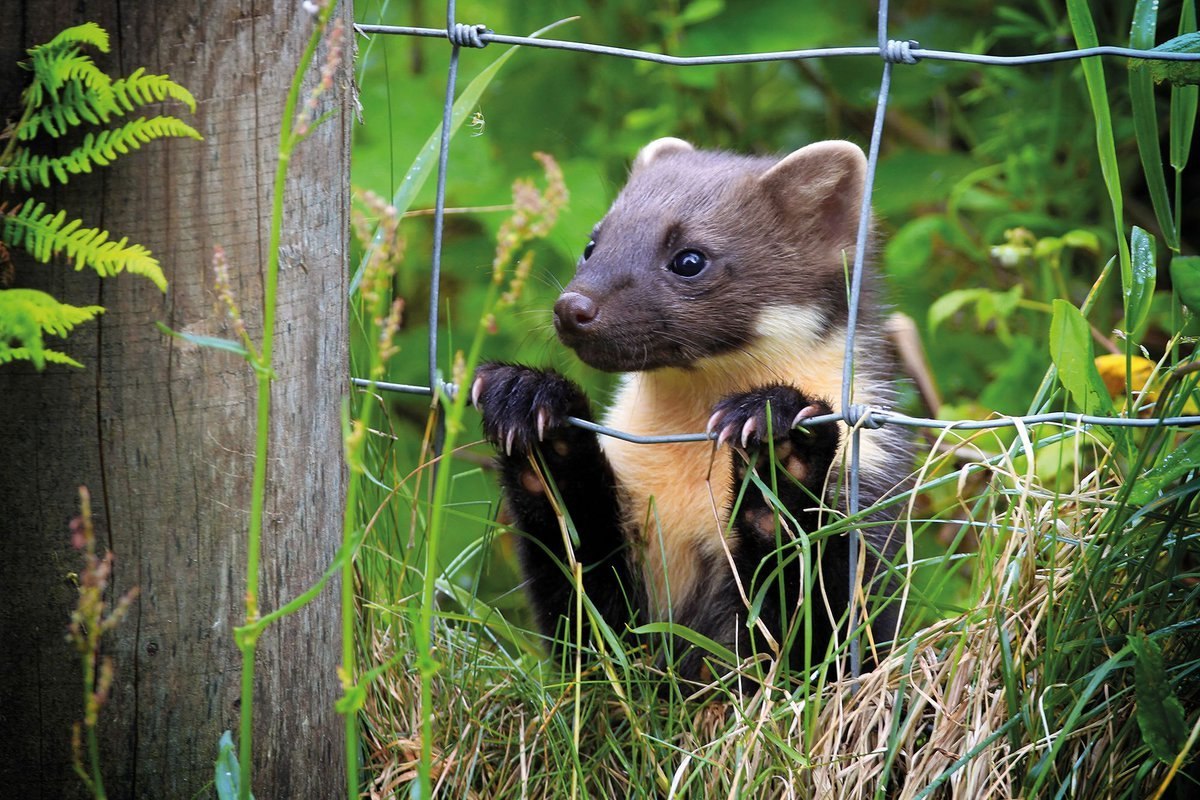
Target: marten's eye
688	263
588	248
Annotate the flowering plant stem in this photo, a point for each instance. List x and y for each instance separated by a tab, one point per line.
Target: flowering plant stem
290	134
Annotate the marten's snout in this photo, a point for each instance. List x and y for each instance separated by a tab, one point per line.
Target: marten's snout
573	312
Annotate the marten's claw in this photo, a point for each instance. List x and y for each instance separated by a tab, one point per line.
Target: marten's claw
808	412
522	406
476	390
746	415
748	430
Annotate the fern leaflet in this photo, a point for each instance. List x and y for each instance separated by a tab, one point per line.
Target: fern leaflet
87	33
139	89
45	235
27	314
30	170
76	104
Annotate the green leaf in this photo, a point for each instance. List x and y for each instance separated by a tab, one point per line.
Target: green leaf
687	634
352	701
1179	73
1071	350
1185	276
1082	240
696	12
211	342
1145	274
225	776
1159	713
949	304
1145	121
1183	101
1174	465
425	162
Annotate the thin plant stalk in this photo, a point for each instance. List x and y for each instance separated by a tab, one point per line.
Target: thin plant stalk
248	643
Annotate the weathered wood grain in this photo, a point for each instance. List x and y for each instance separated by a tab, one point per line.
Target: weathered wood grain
162	433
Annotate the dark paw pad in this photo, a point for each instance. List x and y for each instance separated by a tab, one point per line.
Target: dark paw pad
743	418
522	406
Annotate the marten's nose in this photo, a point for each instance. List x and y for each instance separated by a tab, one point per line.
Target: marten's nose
574	311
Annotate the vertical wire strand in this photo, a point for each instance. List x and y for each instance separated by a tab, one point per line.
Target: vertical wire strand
439	216
860	247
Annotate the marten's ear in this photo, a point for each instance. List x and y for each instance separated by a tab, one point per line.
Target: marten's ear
659	147
821	186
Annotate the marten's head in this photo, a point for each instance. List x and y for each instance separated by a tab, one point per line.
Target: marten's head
700	246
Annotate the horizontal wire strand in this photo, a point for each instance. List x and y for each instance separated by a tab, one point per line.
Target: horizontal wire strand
893	51
486	37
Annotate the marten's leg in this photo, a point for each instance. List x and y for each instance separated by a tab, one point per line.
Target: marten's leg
793	463
543	459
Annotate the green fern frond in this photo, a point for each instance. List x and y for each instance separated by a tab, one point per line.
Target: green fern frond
30	170
27	314
45	235
88	33
139	89
76	104
39	357
53	69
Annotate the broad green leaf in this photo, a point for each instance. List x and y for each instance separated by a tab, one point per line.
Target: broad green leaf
1185	276
1174	465
1082	240
683	632
1145	273
1145	121
948	304
427	158
1071	350
1159	712
1183	102
1179	73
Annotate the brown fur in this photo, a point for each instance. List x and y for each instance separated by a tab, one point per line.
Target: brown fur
776	315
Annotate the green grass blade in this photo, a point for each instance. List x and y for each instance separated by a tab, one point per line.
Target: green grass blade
1044	768
683	632
423	165
1093	72
1183	102
1145	121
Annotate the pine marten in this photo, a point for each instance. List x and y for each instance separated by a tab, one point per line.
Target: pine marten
717	284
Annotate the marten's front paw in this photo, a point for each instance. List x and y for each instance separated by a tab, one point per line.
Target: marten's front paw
522	406
742	420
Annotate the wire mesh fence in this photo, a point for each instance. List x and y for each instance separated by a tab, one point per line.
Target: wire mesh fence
891	52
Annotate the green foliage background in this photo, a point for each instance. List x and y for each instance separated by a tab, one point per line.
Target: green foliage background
969	154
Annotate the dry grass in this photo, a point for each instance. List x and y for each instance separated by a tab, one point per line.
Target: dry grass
1020	695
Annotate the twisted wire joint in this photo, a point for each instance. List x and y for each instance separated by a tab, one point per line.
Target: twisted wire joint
862	415
900	52
464	35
